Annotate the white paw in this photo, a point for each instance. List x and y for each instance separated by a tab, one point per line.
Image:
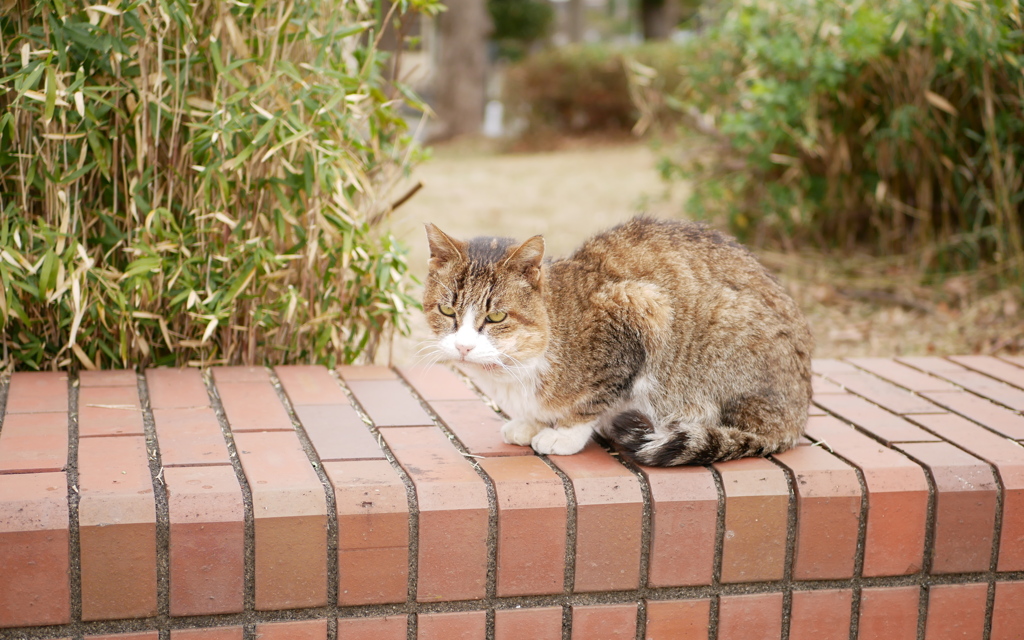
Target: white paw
563	441
519	432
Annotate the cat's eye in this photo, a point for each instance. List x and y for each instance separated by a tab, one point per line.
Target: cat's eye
446	310
496	316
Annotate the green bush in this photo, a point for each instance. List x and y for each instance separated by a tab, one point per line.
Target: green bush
581	89
896	125
197	183
518	24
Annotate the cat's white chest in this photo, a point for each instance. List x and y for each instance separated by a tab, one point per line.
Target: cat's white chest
516	391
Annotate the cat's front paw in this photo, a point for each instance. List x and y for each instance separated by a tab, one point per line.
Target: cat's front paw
563	441
520	432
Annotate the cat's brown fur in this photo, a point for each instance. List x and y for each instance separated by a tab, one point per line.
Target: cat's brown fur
668	338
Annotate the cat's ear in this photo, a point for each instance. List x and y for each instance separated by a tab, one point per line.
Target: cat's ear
526	259
443	248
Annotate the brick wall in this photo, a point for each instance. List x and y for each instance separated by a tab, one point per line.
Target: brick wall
299	503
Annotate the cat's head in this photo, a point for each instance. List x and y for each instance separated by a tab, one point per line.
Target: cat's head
483	299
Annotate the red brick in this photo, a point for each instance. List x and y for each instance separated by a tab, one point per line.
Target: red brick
309	385
609	511
453	514
117	519
983	411
994	367
956	611
464	625
338	433
207	532
1014	360
821	615
302	630
531	525
389	403
290	510
176	388
1009	461
930	364
965	507
756	517
144	635
437	383
980	384
34	587
883	393
888	613
34	442
190	437
363	372
886	426
682	619
815	410
387	628
253	406
118	378
604	622
373	532
109	411
828	504
37	392
827	366
544	623
753	617
897	498
821	386
214	633
240	374
902	375
1007	623
685	520
477	426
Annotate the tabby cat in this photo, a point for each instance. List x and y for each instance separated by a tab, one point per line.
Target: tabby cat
667	338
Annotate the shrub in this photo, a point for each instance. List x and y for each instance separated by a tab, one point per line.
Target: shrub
895	125
197	183
581	89
518	24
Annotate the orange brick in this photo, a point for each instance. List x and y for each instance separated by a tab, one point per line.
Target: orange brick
176	389
753	617
897	498
993	367
34	587
366	372
888	613
214	633
883	393
901	374
982	411
825	366
685	519
453	514
437	383
308	385
388	403
190	437
544	623
828	504
1007	623
240	374
373	532
109	411
477	426
682	619
604	622
338	433
34	442
388	628
821	615
464	625
965	507
756	517
886	426
144	635
531	525
206	540
980	384
956	611
253	406
109	378
117	519
37	392
302	630
821	386
290	510
609	511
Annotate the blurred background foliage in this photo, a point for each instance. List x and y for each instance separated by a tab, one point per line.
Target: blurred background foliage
198	183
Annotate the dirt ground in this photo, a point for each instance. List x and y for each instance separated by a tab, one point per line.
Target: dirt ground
856	306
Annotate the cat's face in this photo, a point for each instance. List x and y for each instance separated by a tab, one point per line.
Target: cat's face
483	300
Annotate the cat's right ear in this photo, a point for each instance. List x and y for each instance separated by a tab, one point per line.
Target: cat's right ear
443	248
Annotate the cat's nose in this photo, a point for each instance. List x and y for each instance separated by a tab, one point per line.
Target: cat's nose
464	349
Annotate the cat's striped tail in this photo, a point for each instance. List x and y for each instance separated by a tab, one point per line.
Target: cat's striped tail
675	445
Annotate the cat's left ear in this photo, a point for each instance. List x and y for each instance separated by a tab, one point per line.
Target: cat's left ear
526	259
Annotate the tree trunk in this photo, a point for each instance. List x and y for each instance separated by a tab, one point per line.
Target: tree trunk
576	21
658	18
461	74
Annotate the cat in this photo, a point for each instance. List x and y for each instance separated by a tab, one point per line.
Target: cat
667	338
